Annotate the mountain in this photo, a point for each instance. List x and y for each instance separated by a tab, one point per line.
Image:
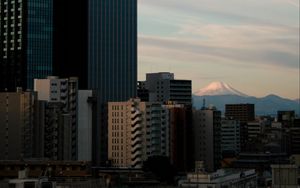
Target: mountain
218	88
268	105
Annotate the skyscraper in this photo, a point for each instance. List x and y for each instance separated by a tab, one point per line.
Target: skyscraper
112	59
94	40
70	40
112	49
26	33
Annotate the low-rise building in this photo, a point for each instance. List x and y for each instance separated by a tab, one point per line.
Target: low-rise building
229	178
285	176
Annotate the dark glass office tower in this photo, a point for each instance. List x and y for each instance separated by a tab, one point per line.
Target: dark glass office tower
26	34
113	48
71	40
112	59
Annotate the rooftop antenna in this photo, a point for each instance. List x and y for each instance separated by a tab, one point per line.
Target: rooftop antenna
203	106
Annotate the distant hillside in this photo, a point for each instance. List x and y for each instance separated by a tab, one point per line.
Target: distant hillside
263	106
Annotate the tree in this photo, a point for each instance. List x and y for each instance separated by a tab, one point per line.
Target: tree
161	167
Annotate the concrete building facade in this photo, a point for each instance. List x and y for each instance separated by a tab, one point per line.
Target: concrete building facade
181	136
207	130
61	103
285	176
244	113
230	137
254	129
163	87
86	117
136	130
221	178
17	125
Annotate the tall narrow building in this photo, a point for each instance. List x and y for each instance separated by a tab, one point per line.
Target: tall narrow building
243	113
112	60
17	113
61	96
26	33
207	128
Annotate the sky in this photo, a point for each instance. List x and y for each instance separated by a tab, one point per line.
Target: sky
253	45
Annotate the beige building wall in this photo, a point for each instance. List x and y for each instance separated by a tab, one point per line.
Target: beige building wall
124	130
136	130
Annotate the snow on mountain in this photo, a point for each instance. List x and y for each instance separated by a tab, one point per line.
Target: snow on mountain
218	88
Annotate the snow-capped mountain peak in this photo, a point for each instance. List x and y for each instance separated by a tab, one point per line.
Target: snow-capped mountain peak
218	88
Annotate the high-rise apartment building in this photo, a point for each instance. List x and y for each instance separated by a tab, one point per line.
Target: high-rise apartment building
294	137
230	137
181	136
17	125
286	118
136	131
254	129
65	93
55	136
142	92
163	87
207	128
26	44
244	113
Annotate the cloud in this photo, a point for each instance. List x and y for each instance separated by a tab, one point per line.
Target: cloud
234	32
285	12
230	39
242	45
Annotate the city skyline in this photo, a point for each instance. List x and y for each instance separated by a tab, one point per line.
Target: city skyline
252	45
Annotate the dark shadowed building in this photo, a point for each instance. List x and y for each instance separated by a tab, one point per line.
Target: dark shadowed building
26	48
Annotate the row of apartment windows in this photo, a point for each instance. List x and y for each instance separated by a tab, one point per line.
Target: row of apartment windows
116	161
116	147
116	141
116	134
117	154
117	121
117	127
114	107
116	114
